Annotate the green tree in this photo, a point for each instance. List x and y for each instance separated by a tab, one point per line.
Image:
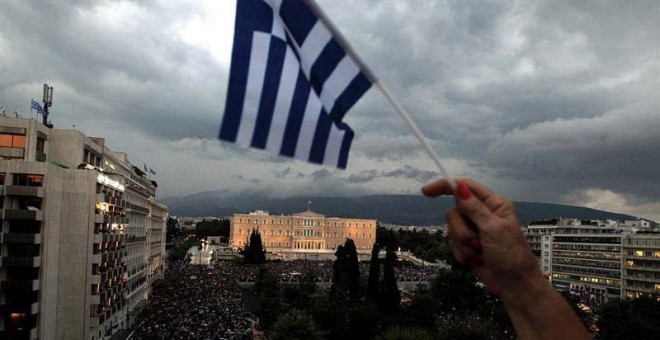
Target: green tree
346	272
269	295
374	275
295	325
630	318
212	227
390	294
254	252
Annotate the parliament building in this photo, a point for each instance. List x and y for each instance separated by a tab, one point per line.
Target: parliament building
302	235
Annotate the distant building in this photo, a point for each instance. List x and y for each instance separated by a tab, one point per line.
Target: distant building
303	235
585	257
82	235
641	264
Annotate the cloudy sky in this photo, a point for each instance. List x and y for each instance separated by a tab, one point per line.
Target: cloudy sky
543	101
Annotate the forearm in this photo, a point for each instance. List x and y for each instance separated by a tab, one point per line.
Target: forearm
540	312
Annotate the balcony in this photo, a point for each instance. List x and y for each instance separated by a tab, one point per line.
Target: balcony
95	299
41	157
35	308
21	190
24	214
21	261
21	238
24	286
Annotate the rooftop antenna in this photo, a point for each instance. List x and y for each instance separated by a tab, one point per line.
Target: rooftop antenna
48	102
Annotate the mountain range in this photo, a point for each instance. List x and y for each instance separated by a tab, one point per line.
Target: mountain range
394	209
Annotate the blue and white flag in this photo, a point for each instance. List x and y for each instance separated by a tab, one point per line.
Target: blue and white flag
37	107
290	84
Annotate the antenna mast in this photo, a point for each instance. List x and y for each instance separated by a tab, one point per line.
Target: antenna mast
48	102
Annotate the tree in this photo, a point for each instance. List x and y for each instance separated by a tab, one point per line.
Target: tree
346	272
269	296
630	319
295	325
254	252
390	294
213	227
374	275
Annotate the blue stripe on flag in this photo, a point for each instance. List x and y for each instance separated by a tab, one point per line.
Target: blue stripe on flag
298	18
296	113
359	85
324	65
345	146
269	93
251	16
317	152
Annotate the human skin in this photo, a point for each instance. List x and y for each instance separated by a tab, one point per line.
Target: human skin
484	233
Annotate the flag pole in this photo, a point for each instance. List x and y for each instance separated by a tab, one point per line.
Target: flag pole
370	75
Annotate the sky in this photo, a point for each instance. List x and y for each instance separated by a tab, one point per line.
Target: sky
555	102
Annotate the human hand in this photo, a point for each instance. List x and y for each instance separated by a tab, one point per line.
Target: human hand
485	234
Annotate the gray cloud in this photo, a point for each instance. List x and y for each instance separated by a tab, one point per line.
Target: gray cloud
363	176
320	175
542	100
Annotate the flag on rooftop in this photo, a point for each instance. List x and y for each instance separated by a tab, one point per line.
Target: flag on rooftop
151	171
37	107
290	84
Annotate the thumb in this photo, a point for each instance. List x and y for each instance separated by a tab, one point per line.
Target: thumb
471	206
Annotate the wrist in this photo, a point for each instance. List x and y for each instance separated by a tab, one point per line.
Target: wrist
526	291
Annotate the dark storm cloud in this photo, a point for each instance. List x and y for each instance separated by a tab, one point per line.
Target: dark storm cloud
543	99
320	175
363	176
135	70
283	173
421	176
526	91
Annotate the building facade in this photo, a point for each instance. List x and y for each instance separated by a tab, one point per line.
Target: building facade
302	234
598	260
80	234
641	264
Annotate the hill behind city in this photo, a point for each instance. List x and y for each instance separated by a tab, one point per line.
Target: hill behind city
394	209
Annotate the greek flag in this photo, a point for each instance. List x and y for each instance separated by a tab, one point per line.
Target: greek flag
290	84
37	107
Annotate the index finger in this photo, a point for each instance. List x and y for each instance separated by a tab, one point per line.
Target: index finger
442	187
437	188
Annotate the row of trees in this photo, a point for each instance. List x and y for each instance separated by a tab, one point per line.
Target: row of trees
356	307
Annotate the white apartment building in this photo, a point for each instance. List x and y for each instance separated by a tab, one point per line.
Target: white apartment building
598	260
81	235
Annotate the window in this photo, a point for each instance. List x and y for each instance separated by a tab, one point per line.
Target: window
12	141
2	178
28	180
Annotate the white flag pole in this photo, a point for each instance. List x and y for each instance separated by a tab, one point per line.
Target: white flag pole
370	75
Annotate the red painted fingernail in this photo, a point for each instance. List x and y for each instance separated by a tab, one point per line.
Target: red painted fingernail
463	192
475	244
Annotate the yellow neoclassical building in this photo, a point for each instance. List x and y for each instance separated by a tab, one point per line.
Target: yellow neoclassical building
302	233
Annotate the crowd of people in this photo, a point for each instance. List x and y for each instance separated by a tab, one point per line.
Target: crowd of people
204	302
294	271
196	302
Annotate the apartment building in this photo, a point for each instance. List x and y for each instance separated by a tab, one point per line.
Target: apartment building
641	264
82	236
598	260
